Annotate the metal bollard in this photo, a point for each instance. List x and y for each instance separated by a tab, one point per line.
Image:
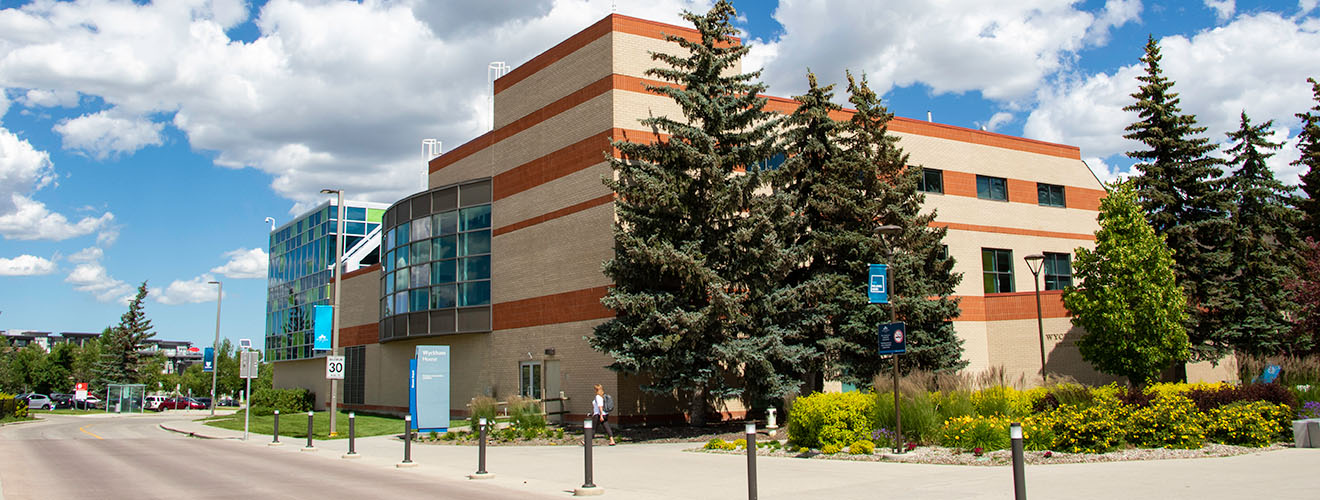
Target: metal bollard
275	439
407	439
352	434
589	487
1019	474
751	461
481	453
310	416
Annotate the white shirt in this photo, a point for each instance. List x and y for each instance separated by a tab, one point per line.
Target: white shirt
598	405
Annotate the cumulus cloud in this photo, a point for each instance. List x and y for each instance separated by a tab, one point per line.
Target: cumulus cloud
26	265
244	263
1223	8
997	120
1256	63
91	277
103	134
193	291
89	254
24	170
1002	50
49	98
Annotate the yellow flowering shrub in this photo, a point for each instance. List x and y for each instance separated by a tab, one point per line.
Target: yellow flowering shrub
831	418
1093	429
719	444
1001	401
1171	421
1253	423
861	447
970	432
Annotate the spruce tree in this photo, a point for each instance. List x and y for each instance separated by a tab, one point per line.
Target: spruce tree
121	358
1308	141
688	247
1179	188
1264	246
1305	290
1129	300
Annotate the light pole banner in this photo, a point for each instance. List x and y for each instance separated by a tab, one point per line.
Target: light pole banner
208	360
430	388
322	323
877	287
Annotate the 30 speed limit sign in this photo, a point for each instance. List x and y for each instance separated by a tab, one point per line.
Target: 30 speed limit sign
334	367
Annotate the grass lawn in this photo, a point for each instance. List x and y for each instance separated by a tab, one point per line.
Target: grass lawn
10	418
295	424
66	411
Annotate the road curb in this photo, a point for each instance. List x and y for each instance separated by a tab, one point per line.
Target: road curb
192	433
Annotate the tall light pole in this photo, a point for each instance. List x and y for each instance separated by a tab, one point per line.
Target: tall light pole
1035	262
215	348
334	335
271	220
885	231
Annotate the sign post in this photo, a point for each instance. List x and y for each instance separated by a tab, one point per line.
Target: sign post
248	366
893	341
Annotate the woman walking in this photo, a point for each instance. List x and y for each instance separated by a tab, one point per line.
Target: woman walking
601	406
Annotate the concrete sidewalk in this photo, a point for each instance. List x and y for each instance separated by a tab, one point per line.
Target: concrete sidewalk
663	471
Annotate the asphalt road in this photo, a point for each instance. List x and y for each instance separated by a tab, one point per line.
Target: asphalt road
132	458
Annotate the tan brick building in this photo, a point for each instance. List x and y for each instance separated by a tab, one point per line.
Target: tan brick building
518	324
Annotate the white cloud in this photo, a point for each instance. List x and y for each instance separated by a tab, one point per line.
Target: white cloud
91	277
1115	13
103	134
24	170
192	291
1258	63
26	265
89	254
996	120
31	220
1004	50
49	98
244	263
1223	8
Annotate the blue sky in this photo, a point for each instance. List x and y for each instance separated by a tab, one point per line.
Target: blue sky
143	141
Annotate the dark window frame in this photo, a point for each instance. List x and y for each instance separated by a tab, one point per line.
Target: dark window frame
991	188
1051	195
994	278
1054	280
927	186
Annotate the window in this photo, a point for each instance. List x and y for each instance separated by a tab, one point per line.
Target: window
932	181
991	188
1050	195
355	374
998	268
529	379
355	213
476	217
476	293
1058	271
944	253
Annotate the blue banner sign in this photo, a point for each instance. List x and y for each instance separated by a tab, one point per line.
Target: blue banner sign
877	287
428	393
322	325
208	360
893	338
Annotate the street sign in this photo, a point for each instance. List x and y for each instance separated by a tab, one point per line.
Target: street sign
893	338
334	368
208	360
249	362
321	324
877	286
80	391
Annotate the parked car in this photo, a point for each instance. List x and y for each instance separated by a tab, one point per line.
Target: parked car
153	402
39	401
206	402
92	402
179	403
62	401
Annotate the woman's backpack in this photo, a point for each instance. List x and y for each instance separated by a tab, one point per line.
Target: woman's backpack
608	407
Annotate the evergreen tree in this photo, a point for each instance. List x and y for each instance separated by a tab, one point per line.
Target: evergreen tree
1129	301
121	359
1308	141
1264	246
1305	289
688	247
1180	191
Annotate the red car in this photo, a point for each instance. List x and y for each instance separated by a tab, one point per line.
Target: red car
180	404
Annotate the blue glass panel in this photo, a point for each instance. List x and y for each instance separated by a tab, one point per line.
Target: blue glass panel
421	229
444	272
476	242
401	278
387	309
388	261
371	226
400	303
401	234
355	213
476	217
420	300
476	293
401	257
476	268
420	252
445	247
355	228
445	223
443	296
389	284
389	239
421	275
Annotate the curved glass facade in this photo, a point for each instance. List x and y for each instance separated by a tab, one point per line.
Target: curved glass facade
435	262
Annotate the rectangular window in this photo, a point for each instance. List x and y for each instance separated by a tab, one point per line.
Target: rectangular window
991	188
476	268
401	279
401	234
355	375
445	223
445	247
476	217
389	283
529	377
443	272
419	299
476	293
420	252
421	276
355	228
1050	195
944	252
475	243
401	257
932	181
355	213
421	229
1058	271
997	265
444	296
401	303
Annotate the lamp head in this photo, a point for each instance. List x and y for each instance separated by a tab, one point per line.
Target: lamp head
329	191
888	229
1034	262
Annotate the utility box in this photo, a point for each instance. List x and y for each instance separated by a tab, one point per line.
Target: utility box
1306	433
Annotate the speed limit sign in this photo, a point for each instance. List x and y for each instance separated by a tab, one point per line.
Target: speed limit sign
334	367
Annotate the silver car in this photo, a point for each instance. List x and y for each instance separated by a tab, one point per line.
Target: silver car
39	401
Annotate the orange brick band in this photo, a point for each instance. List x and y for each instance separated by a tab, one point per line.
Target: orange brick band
359	335
596	202
1013	230
1011	306
567	307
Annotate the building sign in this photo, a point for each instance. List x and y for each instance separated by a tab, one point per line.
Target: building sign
877	287
321	325
208	360
893	338
428	392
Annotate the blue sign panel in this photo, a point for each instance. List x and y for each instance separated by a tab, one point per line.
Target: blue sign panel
208	359
893	338
877	287
322	325
429	389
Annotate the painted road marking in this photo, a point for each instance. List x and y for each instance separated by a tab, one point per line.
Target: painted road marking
89	433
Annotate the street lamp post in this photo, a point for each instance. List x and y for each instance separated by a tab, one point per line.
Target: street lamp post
890	230
1035	262
334	335
215	349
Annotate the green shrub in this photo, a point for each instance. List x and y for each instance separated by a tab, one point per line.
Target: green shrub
284	400
831	449
861	447
1093	429
527	416
262	411
971	432
1037	433
482	407
999	400
921	418
720	444
12	407
1170	421
1306	394
1246	423
953	404
831	418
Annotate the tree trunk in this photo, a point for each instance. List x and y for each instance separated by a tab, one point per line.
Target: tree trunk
697	406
